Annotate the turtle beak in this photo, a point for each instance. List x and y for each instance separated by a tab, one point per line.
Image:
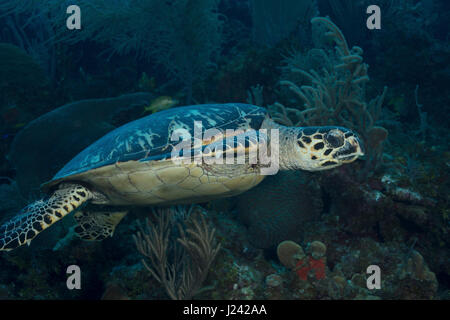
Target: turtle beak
352	149
358	146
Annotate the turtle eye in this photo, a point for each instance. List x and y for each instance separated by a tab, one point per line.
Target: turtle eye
335	138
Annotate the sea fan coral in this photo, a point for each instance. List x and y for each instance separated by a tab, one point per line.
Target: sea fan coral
181	267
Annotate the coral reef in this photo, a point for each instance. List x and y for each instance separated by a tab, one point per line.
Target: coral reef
296	235
305	266
335	94
240	271
401	272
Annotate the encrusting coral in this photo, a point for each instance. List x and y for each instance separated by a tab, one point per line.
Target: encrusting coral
292	256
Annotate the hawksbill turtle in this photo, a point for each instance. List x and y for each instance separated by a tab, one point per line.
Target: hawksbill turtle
135	165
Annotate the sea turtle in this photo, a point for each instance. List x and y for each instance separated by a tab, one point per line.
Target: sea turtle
139	164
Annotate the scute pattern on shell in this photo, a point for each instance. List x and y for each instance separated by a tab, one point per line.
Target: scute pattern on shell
150	136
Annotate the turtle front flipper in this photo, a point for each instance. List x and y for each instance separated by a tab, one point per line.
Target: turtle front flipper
98	225
41	214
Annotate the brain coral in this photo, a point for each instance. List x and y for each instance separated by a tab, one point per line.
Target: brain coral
278	207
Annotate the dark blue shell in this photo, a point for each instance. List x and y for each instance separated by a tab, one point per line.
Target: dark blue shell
148	138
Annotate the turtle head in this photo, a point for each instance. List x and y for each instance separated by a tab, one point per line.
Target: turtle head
321	148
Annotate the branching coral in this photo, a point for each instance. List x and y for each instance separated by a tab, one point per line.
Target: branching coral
182	266
335	94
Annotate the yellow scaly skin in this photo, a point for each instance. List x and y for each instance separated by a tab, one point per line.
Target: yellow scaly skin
41	214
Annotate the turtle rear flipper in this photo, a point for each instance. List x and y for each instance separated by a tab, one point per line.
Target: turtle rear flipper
98	225
41	214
